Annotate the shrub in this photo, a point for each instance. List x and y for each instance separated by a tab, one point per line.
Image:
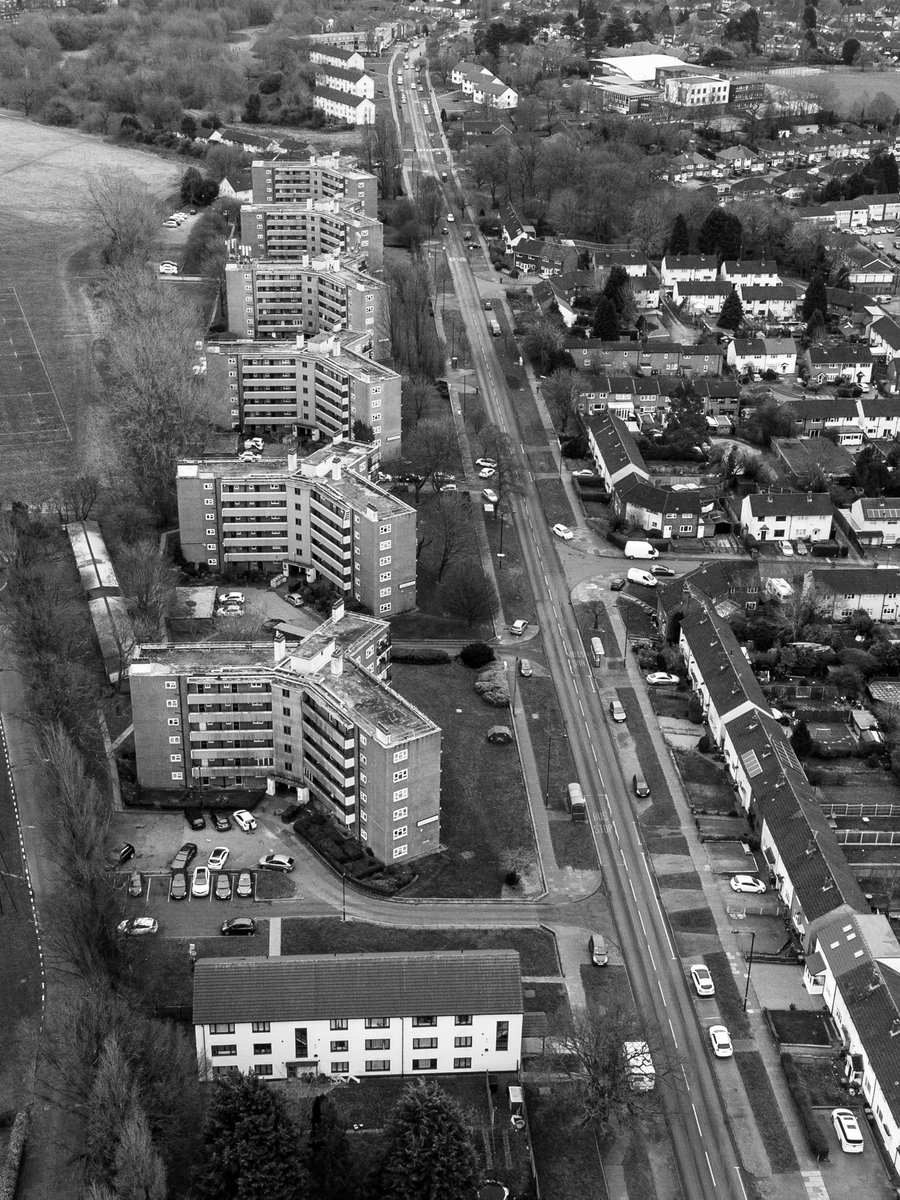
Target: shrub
706	744
816	1137
815	776
476	654
695	710
492	687
424	656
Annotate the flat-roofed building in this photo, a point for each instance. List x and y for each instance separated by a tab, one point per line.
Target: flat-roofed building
320	177
287	231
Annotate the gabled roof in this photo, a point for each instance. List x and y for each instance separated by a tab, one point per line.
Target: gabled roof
350	99
735	153
843	354
880	406
879	508
704	287
620	258
337	52
768	291
719	580
690	262
617	447
725	671
749	266
872	995
822	408
316	987
859	581
660	499
790	504
717	389
888	330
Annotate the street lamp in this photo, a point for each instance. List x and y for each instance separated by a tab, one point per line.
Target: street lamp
500	558
749	961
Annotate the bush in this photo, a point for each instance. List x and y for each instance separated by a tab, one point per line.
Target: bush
816	1137
476	654
815	777
492	686
706	744
695	710
291	812
424	656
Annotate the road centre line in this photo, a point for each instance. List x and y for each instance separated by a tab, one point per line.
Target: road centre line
709	1164
697	1119
664	1000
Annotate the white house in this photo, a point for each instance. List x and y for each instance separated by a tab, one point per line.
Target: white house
791	515
411	1013
344	106
344	80
701	297
875	520
696	267
763	354
884	338
879	416
874	590
337	56
754	272
776	302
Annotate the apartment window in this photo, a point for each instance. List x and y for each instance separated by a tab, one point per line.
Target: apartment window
400	813
222	1072
400	794
171	685
228	1050
378	1064
260	1027
261	1069
340	1068
339	1023
384	577
400	832
364	815
425	1043
301	1043
171	704
363	834
461	1043
463	1019
173	721
399	776
362	777
384	608
178	775
401	755
207	487
261	1048
685	528
462	1064
384	529
384	591
424	1064
378	1043
227	1027
400	852
420	1021
502	1035
340	1047
385	545
175	758
378	1022
385	562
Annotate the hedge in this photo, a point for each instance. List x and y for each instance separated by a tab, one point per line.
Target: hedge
619	539
424	656
816	1138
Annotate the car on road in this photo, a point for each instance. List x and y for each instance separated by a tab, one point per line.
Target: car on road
563	532
450	218
661	571
702	980
786	548
223	886
617	584
194	818
518	627
720	1040
136	884
616	711
658	678
178	886
168	268
200	882
445	231
747	883
125	853
217	858
230	598
642	578
276	862
244	889
221	821
525	668
294	600
244	820
848	1131
137	926
490	495
239	927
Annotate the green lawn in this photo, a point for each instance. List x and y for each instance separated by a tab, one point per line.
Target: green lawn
536	947
163	967
606	987
484	810
768	1117
692	920
573	845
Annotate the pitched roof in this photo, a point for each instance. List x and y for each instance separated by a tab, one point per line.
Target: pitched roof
704	287
749	266
317	987
790	504
661	500
617	447
875	1012
830	355
693	262
717	389
859	581
822	408
888	330
620	258
350	99
352	75
338	52
768	291
880	406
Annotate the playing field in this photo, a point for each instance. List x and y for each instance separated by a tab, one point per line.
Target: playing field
845	89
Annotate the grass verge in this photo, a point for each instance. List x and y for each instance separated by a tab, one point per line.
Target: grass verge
766	1112
551	999
567	1158
636	1165
662	809
605	987
548	739
484	809
164	968
692	920
573	846
728	996
688	880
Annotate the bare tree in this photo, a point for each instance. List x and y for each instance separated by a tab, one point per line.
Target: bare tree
467	593
429	200
382	155
112	1101
140	1174
418	394
562	391
596	607
78	497
430	447
454	523
119	207
147	579
509	479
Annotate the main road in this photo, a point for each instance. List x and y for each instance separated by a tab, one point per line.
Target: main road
701	1137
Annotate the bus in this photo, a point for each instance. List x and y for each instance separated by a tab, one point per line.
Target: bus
577	806
596	650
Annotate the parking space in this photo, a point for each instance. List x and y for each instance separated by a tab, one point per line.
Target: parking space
854	1174
157	888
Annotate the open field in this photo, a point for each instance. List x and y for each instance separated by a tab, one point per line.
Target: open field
845	89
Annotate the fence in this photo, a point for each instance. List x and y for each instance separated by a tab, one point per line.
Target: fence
867	837
859	811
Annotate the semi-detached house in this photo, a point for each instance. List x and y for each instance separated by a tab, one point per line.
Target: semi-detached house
875	520
872	590
359	1015
763	354
792	515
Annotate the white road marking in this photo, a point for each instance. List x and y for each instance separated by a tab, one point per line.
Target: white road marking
686	1080
662	995
675	1040
696	1118
709	1164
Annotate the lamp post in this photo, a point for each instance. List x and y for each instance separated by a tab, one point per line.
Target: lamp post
500	558
749	962
343	896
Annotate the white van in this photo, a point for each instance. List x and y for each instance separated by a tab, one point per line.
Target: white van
639	1066
644	578
640	550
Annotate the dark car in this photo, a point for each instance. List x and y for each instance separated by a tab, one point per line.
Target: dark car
223	886
179	886
617	584
239	927
221	820
185	855
194	818
125	853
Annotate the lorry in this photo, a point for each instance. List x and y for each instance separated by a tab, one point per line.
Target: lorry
639	1066
577	807
638	549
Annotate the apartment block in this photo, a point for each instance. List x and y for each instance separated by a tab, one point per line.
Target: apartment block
315	714
322	515
315	227
282	299
360	1015
322	383
320	177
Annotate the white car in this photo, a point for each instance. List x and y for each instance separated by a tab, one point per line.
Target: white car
848	1131
448	487
491	496
450	218
230	610
747	883
137	926
217	858
703	981
485	462
200	882
617	711
231	598
564	532
487	472
658	678
168	268
786	548
518	627
254	443
583	471
244	820
170	224
720	1040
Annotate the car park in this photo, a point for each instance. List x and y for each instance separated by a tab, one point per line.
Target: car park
617	712
244	889
221	821
200	882
223	886
848	1131
244	820
661	571
276	862
194	818
720	1040
563	532
125	853
217	858
239	927
178	886
659	678
518	627
747	883
137	926
491	496
702	980
136	884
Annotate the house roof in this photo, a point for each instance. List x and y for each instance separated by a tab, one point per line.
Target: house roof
880	406
822	408
661	500
879	508
617	447
858	581
704	287
736	153
888	330
845	938
838	355
790	504
317	987
768	291
334	51
749	266
717	389
872	995
690	262
350	99
725	671
620	258
512	222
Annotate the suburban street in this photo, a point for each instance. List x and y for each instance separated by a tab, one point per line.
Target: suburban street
702	1143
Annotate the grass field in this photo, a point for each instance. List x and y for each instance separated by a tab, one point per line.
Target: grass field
845	89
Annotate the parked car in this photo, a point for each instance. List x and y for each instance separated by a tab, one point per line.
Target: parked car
848	1131
194	818
244	820
485	462
223	886
720	1040
276	862
563	531
230	610
217	858
137	926
125	853
168	268
445	231
664	572
448	487
786	548
703	981
518	627
244	889
450	218
136	884
491	496
659	678
239	927
617	584
200	882
184	857
616	711
294	600
525	668
230	598
221	821
747	883
487	472
583	471
640	785
178	886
